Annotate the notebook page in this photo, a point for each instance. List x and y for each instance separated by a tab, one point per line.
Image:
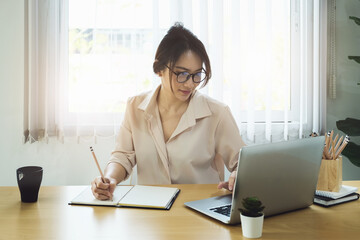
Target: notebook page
149	196
86	197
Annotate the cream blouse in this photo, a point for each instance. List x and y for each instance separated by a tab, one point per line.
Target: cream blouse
205	138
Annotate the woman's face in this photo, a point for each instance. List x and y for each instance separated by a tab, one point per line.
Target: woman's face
188	62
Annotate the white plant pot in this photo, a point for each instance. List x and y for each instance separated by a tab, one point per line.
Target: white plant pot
252	226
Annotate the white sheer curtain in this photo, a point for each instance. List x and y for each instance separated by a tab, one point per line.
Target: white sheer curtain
46	67
267	58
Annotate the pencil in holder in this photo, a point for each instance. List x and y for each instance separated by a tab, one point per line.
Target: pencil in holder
330	175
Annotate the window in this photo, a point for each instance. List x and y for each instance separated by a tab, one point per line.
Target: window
263	54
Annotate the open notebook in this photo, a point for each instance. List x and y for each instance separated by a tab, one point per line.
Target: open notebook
132	196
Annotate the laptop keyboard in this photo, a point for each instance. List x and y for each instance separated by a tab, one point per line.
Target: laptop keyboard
224	210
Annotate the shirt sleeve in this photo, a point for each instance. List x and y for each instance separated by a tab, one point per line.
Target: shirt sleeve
228	140
124	152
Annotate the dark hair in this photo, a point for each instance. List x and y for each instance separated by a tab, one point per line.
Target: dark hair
177	41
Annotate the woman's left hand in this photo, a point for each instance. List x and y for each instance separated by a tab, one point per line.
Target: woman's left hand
229	185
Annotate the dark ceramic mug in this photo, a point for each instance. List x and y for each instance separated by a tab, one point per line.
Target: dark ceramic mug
29	181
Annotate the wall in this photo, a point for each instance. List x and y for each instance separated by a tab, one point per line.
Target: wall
347	99
11	75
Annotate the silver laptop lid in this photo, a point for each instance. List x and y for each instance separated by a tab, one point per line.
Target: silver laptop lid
282	175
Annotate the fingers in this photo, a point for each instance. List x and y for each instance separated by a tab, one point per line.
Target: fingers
100	190
230	184
223	185
232	180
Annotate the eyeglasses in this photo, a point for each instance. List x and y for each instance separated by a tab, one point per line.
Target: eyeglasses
182	77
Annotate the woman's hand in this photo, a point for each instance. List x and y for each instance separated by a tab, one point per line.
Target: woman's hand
101	190
229	185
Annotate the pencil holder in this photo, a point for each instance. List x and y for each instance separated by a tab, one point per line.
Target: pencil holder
330	175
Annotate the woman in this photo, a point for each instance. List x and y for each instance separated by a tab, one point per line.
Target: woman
175	134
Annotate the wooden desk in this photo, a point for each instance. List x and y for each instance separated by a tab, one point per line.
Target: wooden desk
52	218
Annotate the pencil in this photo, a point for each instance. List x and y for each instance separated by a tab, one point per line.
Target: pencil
97	164
336	138
338	143
327	145
343	145
326	149
331	134
330	141
326	138
333	149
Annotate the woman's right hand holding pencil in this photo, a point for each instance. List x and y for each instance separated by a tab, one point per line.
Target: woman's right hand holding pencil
103	188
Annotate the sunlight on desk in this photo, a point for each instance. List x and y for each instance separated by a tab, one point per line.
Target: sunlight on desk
52	218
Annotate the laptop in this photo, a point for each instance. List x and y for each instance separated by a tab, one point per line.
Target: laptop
282	175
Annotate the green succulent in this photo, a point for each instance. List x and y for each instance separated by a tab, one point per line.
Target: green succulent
252	207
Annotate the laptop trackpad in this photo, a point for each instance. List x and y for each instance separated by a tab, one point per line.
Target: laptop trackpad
208	203
222	200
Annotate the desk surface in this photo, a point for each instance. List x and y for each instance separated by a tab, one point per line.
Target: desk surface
52	218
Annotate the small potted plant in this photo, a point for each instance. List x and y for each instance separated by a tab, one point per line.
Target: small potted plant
252	217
